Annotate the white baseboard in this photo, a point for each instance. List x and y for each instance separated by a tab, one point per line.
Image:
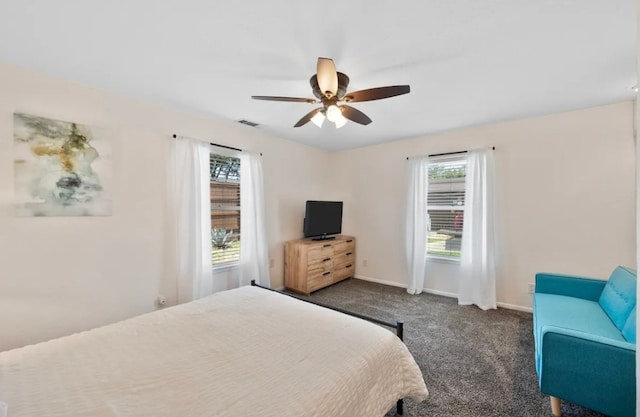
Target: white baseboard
380	281
515	307
438	292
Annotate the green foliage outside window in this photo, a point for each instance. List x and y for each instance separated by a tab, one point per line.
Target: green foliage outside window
220	238
441	172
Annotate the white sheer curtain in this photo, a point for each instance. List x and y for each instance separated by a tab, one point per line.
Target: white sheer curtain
192	207
254	253
477	284
416	222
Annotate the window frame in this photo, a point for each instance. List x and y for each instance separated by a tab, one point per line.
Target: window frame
235	263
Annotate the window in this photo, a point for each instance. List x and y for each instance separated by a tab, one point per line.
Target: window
224	177
445	205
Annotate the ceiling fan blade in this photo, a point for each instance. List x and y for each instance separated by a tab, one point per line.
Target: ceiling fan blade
355	115
376	93
293	99
327	77
305	119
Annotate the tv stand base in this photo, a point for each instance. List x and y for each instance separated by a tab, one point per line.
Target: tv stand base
323	238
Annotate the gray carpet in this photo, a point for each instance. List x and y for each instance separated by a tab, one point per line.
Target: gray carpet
475	363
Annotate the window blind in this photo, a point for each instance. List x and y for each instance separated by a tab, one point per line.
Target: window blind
445	206
224	176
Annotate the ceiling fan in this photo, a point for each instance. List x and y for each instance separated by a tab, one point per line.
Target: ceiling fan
330	87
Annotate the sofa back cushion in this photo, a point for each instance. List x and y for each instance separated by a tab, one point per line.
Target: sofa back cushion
629	329
618	297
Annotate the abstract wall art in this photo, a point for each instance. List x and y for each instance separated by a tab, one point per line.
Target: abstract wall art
61	168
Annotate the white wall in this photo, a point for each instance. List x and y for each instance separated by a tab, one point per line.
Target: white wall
566	198
60	275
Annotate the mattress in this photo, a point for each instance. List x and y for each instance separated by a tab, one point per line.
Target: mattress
244	352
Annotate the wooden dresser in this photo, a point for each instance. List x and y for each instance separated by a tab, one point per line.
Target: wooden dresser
313	264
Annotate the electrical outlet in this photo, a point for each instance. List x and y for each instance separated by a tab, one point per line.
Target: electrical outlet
365	262
162	300
532	288
271	263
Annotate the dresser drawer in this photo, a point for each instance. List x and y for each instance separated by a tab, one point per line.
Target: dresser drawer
344	271
320	252
344	246
344	258
322	265
319	280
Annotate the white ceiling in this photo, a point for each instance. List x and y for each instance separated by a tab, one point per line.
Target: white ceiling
468	62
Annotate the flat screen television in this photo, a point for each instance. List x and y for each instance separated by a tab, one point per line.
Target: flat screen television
322	219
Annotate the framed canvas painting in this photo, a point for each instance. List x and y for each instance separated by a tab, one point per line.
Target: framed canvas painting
61	168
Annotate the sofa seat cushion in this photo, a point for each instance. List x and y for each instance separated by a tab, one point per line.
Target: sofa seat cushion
618	297
575	314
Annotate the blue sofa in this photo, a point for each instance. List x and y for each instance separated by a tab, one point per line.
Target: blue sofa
585	341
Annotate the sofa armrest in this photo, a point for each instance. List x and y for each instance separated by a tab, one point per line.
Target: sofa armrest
569	285
589	337
588	369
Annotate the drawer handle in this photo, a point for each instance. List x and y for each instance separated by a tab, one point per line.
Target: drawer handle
349	253
350	240
326	259
326	273
328	245
348	266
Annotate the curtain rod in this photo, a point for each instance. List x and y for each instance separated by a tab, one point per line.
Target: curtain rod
216	144
220	146
493	148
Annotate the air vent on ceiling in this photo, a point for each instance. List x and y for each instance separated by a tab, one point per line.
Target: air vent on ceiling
248	123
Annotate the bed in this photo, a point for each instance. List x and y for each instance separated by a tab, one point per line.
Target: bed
244	352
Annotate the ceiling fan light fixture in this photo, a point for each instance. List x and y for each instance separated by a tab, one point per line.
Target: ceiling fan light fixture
318	119
341	121
333	113
330	88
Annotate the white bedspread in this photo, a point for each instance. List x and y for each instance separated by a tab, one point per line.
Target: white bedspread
241	353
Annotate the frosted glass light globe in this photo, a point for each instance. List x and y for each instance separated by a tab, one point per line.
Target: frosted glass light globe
333	113
318	119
